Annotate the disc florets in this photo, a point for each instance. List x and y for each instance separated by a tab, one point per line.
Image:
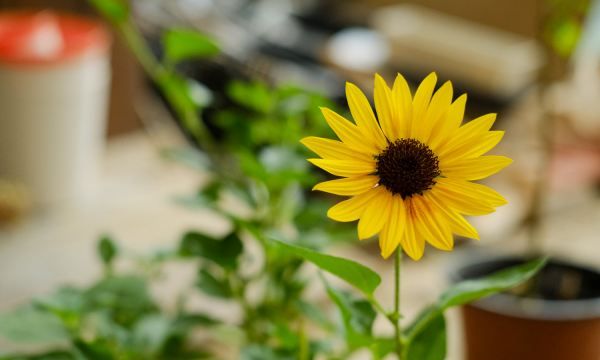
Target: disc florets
407	167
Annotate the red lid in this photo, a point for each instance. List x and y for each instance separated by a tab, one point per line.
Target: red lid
48	37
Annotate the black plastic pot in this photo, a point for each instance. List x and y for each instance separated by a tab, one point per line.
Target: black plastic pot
556	316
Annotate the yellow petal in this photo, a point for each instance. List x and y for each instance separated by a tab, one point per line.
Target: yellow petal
421	102
470	132
348	186
455	221
385	108
448	197
430	227
349	133
392	233
376	214
351	209
346	168
475	169
474	147
387	243
363	115
474	192
412	242
480	124
440	103
448	124
332	149
402	99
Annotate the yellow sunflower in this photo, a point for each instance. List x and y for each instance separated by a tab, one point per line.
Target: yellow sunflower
409	171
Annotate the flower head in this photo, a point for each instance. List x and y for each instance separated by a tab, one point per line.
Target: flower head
409	171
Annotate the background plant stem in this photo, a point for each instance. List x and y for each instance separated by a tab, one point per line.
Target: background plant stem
534	220
159	73
396	314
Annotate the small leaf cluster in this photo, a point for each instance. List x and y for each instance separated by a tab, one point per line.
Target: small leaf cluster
115	318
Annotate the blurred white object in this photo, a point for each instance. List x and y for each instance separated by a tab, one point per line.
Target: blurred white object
358	49
482	58
54	76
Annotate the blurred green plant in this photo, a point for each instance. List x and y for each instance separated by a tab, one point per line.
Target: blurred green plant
253	154
562	24
118	318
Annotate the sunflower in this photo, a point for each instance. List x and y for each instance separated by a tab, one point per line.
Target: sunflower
409	171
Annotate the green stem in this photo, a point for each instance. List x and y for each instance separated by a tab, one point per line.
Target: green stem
160	75
377	305
396	313
304	351
138	46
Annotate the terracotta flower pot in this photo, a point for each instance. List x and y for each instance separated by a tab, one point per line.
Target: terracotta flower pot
556	316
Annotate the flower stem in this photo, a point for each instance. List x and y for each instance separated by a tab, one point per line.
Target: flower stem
396	314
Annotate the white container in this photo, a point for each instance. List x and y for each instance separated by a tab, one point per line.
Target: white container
54	77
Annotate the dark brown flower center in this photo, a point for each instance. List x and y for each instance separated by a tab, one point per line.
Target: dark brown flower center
407	167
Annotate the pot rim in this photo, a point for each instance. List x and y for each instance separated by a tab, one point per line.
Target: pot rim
530	308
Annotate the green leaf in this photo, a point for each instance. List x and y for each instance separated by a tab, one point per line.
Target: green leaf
125	298
107	250
262	352
186	321
381	347
213	285
66	300
252	193
283	166
470	290
257	352
357	316
253	95
94	350
250	165
32	325
314	313
151	332
235	124
212	191
50	355
183	327
357	275
430	343
114	10
565	36
66	303
287	337
105	328
182	44
290	203
224	252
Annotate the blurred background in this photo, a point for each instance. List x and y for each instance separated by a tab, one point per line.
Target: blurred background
82	149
